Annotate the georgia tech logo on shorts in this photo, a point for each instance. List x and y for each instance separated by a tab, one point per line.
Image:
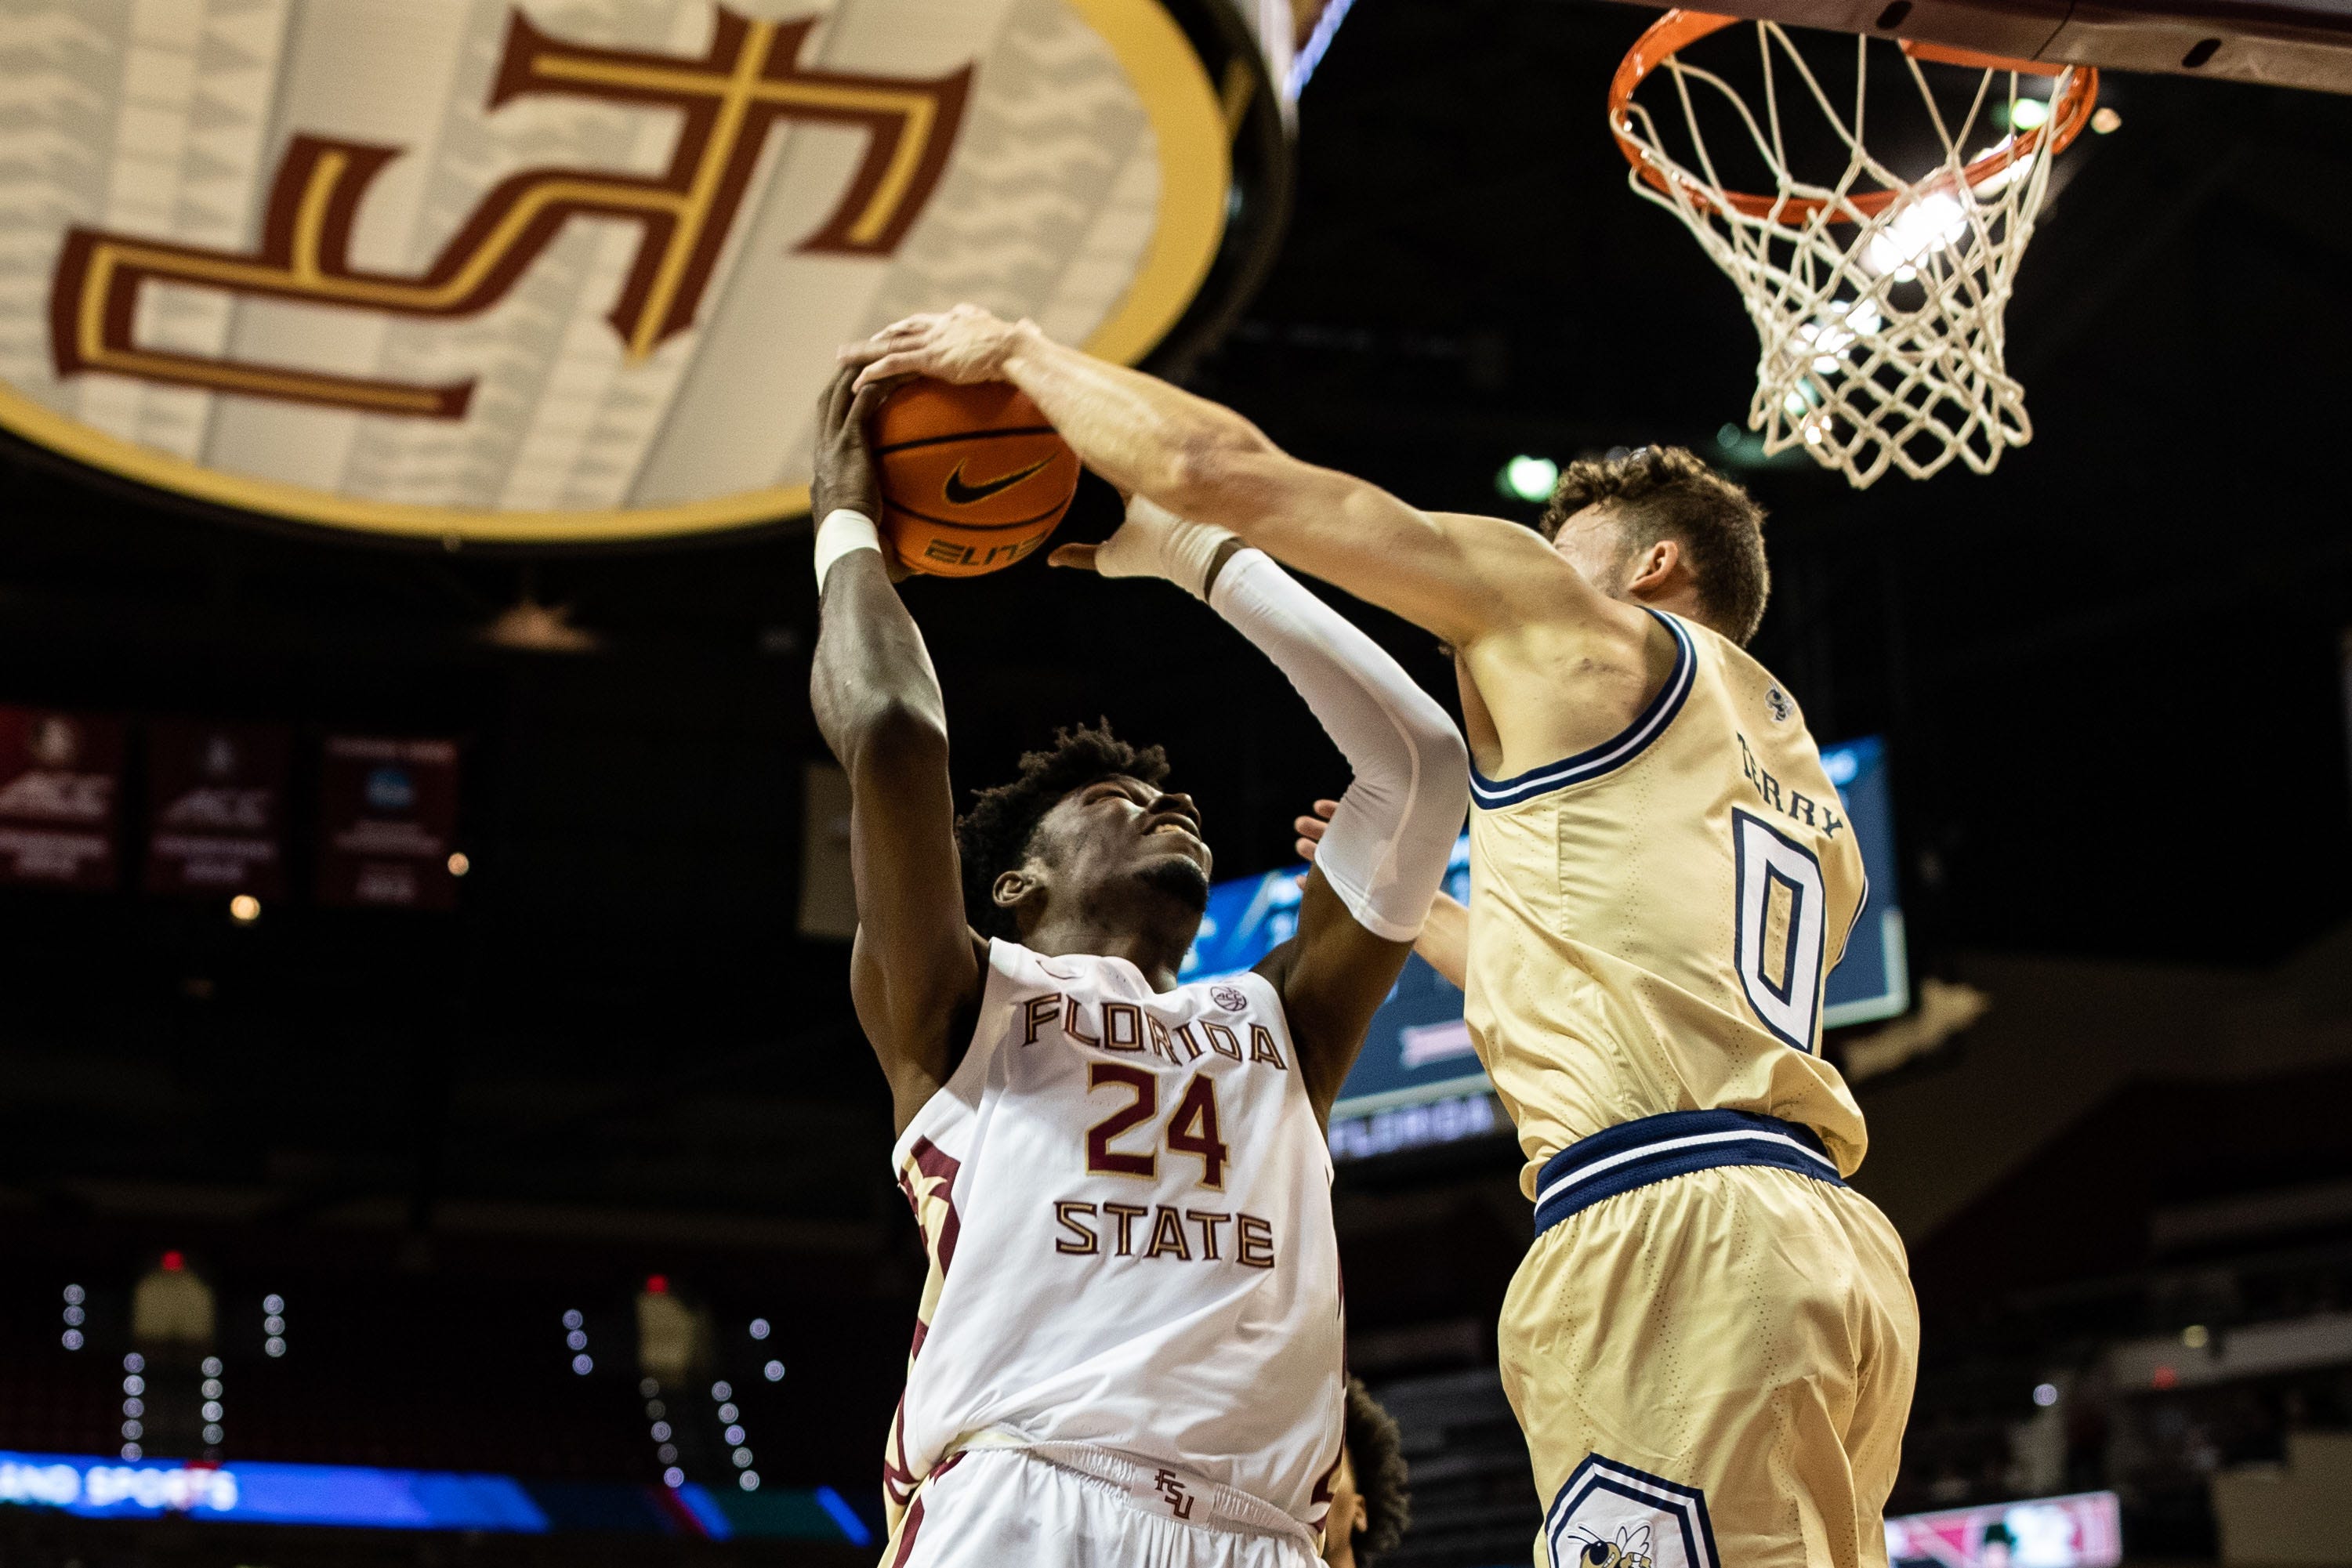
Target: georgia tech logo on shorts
747	83
1610	1515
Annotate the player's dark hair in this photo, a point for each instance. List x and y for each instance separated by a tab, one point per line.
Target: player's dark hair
1666	493
993	836
1376	1453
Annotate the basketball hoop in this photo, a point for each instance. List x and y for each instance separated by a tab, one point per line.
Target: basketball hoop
1878	296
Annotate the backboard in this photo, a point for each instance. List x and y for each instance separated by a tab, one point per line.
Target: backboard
2284	43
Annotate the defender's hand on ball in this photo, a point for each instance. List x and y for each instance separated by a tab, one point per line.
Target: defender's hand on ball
964	345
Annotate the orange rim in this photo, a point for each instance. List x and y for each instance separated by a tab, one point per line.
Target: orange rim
1677	30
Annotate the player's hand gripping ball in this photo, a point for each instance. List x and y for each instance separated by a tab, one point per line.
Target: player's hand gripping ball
972	477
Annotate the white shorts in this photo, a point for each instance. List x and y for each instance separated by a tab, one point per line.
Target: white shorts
988	1508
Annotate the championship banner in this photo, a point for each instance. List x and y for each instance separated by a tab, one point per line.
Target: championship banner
568	270
60	791
387	823
217	819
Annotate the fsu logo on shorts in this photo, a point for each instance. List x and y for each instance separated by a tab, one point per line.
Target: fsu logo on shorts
1613	1516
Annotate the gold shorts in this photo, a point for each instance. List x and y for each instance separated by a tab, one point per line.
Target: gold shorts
1714	1368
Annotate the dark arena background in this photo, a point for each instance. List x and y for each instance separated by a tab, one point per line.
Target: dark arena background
433	1126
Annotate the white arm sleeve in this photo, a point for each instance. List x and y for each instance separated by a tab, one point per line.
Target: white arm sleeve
1386	851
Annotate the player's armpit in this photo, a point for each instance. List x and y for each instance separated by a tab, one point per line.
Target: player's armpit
1332	977
916	1068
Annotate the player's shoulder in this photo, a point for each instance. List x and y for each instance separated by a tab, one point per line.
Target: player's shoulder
1751	691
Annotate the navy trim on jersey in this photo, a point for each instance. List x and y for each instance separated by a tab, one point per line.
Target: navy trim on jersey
1611	754
1655	1149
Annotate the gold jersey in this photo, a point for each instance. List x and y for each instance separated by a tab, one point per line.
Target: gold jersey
1651	921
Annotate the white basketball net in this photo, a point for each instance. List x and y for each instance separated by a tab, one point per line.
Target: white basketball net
1881	333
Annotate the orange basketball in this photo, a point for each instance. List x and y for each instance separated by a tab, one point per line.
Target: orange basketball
972	477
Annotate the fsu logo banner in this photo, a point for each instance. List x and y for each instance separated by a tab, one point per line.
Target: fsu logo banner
560	270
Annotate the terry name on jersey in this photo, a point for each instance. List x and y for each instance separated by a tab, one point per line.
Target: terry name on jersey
1791	802
1134	1141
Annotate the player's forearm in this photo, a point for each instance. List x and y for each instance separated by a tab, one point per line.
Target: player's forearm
871	684
1135	430
1444	940
1454	577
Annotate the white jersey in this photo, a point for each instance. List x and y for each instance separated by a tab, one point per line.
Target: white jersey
1126	1198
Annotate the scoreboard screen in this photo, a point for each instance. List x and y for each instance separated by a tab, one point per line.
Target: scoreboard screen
1417	1048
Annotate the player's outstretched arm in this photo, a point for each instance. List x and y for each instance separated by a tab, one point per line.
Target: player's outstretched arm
1444	940
1460	577
1391	832
914	971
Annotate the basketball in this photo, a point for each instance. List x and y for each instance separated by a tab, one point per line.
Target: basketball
972	477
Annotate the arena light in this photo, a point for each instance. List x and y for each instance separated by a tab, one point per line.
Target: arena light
213	1413
2031	114
134	1404
75	1316
1527	478
664	1450
273	1325
736	1438
244	909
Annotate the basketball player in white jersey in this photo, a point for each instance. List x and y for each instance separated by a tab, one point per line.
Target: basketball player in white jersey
1130	1346
1711	1343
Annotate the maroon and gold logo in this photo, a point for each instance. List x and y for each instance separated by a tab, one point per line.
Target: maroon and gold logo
746	83
558	271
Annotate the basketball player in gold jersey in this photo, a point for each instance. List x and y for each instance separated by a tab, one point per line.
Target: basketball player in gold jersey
1711	1344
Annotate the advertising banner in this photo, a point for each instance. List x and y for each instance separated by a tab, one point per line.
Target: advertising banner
362	1498
216	813
387	823
60	795
2082	1530
1417	1049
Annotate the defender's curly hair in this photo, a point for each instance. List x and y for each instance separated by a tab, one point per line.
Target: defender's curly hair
1376	1452
1667	493
993	836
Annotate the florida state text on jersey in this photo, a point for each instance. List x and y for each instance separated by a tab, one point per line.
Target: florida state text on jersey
1126	1198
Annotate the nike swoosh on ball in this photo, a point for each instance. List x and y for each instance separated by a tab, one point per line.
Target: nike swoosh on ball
962	494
